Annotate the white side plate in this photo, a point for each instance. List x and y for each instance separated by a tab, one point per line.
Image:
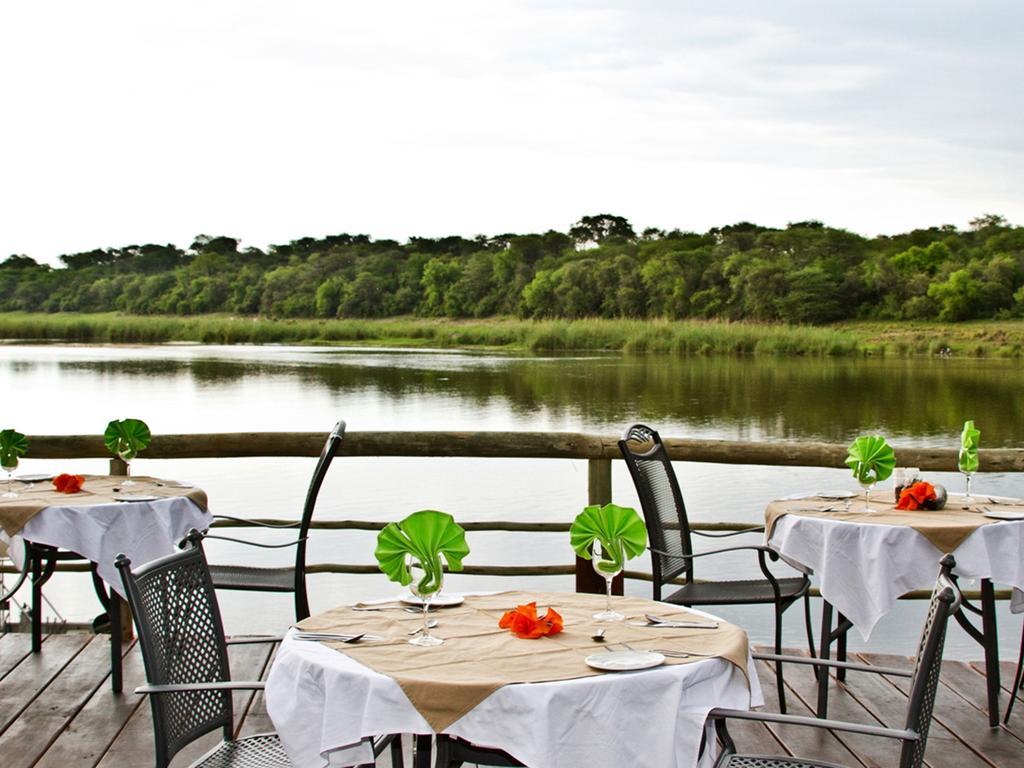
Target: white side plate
33	478
1000	514
437	601
130	497
623	661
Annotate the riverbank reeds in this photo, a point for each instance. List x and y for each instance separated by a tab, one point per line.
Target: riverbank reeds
690	337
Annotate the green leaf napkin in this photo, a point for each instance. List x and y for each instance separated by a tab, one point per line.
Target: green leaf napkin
969	439
426	535
620	530
871	459
13	445
128	436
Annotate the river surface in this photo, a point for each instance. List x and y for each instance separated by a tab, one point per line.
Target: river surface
57	389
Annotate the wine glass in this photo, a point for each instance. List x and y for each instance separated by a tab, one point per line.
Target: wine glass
965	463
10	464
425	587
867	485
607	569
126	453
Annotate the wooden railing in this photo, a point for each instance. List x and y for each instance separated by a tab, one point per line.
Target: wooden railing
599	451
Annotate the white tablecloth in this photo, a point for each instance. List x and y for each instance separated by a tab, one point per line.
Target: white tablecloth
324	704
143	531
864	568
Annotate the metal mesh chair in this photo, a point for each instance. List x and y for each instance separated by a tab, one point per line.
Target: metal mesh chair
924	682
186	659
283	579
672	555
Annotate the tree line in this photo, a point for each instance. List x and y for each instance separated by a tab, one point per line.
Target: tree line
805	273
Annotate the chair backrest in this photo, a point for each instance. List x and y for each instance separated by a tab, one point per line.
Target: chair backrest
668	529
331	446
944	603
182	639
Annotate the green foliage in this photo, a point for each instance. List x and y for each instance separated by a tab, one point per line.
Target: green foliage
127	438
426	535
619	530
871	459
13	445
969	440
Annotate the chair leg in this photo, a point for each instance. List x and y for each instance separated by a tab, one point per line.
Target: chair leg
824	653
810	631
421	752
779	682
397	758
115	642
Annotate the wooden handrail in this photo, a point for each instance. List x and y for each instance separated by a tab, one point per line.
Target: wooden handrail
520	445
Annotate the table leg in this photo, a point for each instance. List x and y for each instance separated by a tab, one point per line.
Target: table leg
421	752
37	603
841	647
115	641
824	653
990	635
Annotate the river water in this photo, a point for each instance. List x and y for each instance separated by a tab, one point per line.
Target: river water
58	389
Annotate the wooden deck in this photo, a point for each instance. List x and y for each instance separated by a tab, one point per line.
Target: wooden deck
56	710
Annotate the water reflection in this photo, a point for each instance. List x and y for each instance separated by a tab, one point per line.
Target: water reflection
912	401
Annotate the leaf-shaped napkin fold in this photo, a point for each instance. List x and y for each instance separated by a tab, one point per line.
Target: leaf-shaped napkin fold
127	438
871	459
969	440
619	530
426	535
13	445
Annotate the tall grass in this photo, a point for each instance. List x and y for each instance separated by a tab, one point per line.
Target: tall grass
1005	339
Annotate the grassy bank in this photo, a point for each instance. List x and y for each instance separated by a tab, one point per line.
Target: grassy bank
984	339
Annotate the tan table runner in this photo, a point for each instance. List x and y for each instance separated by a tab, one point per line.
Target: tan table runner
477	658
97	489
946	528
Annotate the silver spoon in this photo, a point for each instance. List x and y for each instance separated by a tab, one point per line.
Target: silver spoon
430	625
598	637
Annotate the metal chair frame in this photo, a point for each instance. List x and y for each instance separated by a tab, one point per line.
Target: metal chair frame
269	579
945	602
186	659
665	571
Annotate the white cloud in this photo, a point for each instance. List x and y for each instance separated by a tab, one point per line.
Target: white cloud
268	121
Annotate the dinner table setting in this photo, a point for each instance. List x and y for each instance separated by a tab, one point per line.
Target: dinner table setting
550	678
870	548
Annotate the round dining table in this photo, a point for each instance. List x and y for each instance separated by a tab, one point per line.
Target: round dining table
865	561
144	520
327	699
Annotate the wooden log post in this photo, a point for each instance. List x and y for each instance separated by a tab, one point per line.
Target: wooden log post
599	491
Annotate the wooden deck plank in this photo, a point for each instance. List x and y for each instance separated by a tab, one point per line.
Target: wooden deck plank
969	724
60	710
89	735
799	741
15	647
25	741
22	684
888	704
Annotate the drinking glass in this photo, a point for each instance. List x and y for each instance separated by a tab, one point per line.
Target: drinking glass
963	461
9	469
126	454
425	586
867	486
607	569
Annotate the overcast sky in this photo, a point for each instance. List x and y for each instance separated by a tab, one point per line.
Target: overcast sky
129	122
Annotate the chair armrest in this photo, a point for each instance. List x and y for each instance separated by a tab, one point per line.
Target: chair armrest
227	685
251	639
829	663
710	535
752	547
814	722
255	543
256	523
